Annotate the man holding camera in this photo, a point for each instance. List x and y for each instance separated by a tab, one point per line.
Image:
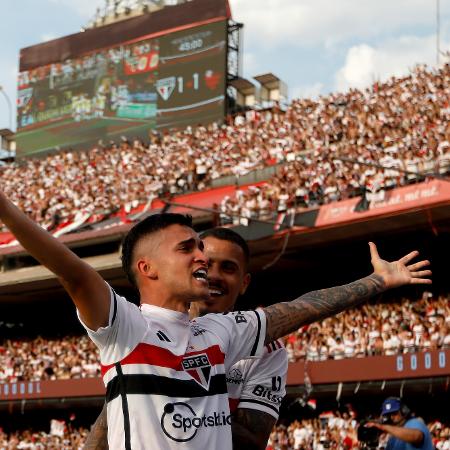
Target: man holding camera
406	432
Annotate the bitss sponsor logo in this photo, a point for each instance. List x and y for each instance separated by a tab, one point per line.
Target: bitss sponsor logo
264	392
180	423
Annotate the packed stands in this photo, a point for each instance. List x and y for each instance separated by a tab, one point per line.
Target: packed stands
337	431
59	437
373	329
379	329
333	430
48	359
402	124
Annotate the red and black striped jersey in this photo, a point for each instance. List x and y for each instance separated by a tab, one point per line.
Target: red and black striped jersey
165	376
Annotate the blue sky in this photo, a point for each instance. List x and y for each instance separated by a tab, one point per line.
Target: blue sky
315	46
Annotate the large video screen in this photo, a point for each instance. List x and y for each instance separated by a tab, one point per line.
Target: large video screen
171	81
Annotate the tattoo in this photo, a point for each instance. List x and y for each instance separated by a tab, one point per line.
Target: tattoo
98	437
284	318
251	429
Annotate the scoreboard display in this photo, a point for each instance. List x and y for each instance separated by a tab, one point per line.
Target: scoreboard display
169	81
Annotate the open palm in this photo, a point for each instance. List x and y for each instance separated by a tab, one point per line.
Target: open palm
401	272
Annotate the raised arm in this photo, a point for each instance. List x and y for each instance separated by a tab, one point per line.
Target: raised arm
284	318
87	289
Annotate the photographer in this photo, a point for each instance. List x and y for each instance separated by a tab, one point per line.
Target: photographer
406	432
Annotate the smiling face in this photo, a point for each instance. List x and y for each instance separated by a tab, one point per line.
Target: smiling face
172	265
227	275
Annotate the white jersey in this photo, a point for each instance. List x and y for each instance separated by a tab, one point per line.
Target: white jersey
259	384
165	376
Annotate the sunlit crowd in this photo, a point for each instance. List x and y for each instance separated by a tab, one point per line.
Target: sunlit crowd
373	329
329	149
338	430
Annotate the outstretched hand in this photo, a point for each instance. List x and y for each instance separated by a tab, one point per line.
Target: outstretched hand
401	272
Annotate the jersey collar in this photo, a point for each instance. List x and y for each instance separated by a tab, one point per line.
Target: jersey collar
175	316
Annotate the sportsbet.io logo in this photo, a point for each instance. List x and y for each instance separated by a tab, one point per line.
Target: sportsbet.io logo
180	423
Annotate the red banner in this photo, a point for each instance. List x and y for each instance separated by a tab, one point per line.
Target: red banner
140	64
83	387
396	200
405	366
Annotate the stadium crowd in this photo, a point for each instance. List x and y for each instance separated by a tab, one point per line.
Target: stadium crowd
402	124
373	329
68	438
48	359
335	430
331	430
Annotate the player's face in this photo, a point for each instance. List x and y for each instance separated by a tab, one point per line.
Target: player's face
180	264
227	275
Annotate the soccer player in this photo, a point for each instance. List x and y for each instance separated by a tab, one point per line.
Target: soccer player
166	377
255	386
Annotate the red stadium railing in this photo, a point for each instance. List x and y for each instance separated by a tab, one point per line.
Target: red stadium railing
406	366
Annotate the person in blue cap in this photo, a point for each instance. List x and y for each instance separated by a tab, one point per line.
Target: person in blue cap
406	432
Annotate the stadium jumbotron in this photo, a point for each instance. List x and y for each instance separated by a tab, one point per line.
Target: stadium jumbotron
143	147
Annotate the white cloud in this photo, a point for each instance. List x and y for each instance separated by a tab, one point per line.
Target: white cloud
324	22
365	64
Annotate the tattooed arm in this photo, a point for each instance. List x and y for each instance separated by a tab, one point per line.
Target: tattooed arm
251	429
284	318
98	437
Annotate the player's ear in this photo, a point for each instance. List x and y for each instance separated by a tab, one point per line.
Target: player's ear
146	268
245	283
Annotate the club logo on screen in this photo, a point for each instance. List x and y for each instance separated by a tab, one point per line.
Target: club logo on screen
165	87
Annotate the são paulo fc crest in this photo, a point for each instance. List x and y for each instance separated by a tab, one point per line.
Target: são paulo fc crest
199	368
165	87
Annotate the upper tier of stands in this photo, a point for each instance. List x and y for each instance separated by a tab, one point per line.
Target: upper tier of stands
401	125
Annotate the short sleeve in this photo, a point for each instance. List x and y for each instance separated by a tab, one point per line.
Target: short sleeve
416	424
125	330
242	334
265	384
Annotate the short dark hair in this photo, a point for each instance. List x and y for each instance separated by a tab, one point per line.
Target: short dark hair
149	225
227	234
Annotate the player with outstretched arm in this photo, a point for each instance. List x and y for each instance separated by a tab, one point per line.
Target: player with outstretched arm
165	377
255	386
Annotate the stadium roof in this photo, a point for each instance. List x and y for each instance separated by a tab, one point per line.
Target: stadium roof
166	20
